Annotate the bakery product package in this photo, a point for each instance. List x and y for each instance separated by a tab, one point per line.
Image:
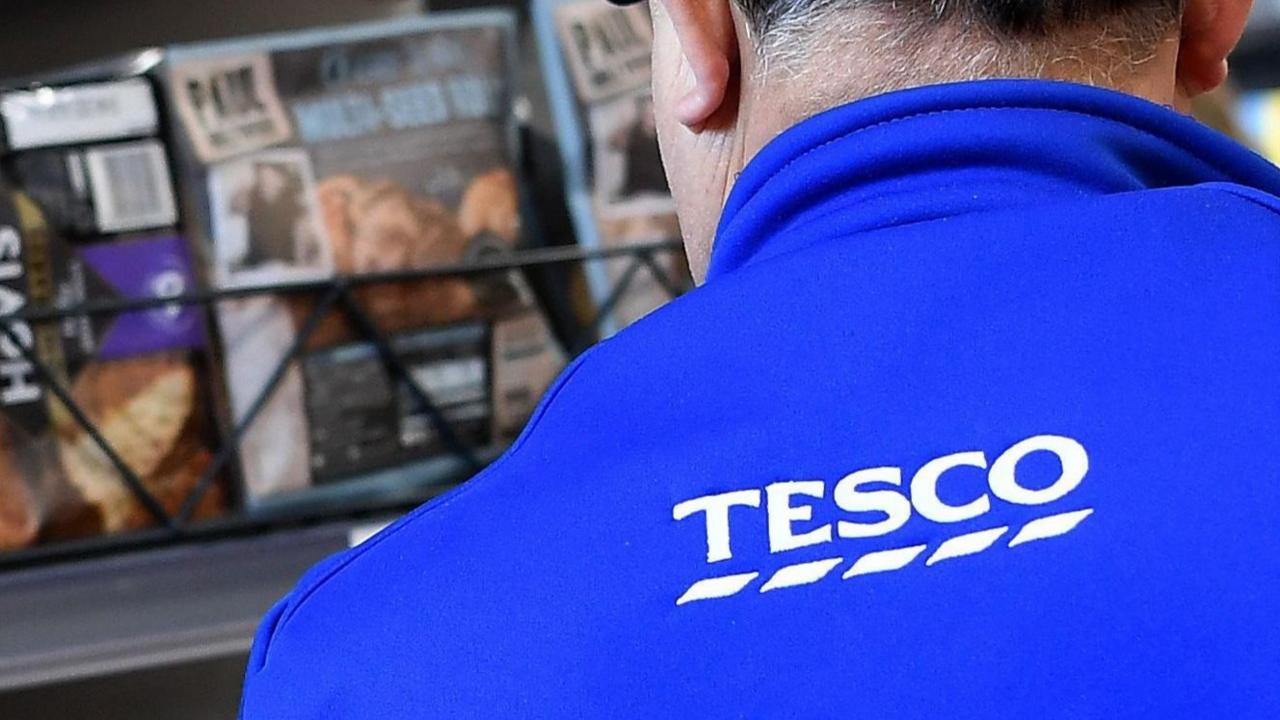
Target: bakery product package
595	59
87	145
90	216
365	150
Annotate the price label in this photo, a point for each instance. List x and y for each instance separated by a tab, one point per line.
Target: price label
79	114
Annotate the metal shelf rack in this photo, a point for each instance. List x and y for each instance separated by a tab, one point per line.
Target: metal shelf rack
186	591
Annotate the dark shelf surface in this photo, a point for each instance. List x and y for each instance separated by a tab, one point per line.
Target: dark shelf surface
153	608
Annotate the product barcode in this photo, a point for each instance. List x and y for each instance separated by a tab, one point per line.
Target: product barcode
131	186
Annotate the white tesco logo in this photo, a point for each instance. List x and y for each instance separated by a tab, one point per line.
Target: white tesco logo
851	494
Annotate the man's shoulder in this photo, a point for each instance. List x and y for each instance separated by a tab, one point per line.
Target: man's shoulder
435	580
789	367
623	395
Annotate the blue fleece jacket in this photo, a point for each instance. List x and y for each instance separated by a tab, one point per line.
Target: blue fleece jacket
977	415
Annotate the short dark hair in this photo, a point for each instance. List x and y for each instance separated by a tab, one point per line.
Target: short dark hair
1009	18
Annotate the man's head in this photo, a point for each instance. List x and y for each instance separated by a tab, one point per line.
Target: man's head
729	75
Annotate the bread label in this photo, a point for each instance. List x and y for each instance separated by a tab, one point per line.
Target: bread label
229	106
139	268
361	420
18	383
79	114
607	47
267	226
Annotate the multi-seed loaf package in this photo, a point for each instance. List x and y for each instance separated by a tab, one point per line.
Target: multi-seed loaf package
345	153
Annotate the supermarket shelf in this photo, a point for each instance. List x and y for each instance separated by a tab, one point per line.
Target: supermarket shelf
166	604
402	486
187	591
154	608
378	492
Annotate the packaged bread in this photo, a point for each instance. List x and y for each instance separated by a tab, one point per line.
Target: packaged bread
367	150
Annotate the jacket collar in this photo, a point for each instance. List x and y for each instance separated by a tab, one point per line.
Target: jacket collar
947	150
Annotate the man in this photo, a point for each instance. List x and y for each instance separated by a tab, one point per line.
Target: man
976	414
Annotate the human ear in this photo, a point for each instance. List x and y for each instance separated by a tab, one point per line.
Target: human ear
1210	31
709	48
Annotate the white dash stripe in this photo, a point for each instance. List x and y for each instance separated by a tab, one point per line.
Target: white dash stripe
1050	527
968	544
884	561
801	574
717	587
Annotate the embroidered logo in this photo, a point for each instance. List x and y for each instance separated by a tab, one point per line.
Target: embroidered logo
873	490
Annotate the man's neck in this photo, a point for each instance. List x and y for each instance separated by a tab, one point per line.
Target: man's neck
778	93
778	90
956	150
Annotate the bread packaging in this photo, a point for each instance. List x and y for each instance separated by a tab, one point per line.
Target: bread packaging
347	153
88	214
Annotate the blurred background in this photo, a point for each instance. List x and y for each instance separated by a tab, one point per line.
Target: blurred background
287	269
